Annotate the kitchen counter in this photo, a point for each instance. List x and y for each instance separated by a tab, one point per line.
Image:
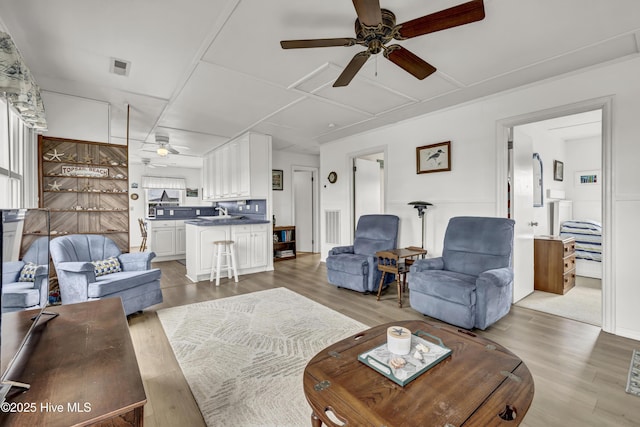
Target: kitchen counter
253	245
232	221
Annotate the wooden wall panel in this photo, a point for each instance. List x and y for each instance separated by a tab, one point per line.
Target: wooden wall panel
84	184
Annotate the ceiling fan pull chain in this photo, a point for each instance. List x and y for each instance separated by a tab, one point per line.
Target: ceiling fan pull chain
376	65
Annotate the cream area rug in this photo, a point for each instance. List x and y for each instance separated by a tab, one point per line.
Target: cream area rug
582	303
244	356
633	381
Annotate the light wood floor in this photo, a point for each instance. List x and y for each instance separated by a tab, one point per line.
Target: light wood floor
579	371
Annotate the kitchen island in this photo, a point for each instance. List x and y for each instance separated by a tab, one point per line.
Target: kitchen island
251	237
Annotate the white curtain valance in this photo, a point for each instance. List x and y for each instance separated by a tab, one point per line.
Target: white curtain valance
163	182
18	86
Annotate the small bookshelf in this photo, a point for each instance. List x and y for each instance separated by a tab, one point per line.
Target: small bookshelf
284	243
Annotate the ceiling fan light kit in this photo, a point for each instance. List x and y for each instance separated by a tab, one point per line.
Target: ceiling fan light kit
375	27
164	148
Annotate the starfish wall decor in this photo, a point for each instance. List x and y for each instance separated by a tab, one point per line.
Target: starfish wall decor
55	186
55	156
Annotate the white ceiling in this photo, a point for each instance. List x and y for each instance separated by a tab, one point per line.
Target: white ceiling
205	71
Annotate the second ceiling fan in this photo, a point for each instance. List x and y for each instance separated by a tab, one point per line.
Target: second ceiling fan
375	27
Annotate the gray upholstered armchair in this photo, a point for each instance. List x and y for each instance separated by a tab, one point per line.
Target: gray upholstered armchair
356	266
128	276
22	291
471	284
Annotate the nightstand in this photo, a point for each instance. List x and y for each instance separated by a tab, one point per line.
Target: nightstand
554	264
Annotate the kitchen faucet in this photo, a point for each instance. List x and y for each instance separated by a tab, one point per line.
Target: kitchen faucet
222	211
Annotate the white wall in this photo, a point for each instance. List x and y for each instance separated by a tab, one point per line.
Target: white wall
550	148
584	155
76	118
470	188
282	200
137	208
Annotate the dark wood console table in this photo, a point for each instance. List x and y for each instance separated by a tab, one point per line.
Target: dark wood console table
81	366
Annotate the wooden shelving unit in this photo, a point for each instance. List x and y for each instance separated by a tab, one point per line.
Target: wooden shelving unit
284	243
85	187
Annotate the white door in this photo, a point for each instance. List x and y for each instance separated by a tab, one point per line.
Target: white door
368	188
523	214
303	197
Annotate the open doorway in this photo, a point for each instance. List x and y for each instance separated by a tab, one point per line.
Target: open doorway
567	152
368	185
305	205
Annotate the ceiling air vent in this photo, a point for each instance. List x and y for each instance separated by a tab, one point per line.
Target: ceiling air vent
120	67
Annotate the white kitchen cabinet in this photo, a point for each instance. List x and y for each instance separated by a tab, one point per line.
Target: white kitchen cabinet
181	238
251	245
241	235
252	252
208	176
238	169
200	249
261	252
167	239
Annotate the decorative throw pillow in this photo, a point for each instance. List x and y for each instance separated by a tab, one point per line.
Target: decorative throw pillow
28	272
107	266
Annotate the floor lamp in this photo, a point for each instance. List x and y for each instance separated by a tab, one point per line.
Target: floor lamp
422	207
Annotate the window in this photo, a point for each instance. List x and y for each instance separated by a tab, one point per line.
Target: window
17	160
159	198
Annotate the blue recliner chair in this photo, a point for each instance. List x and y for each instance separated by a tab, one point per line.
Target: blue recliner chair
356	266
129	276
471	284
32	291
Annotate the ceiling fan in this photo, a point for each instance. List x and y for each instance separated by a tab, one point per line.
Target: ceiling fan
147	162
375	27
163	149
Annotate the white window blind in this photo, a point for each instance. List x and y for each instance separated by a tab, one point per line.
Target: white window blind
163	182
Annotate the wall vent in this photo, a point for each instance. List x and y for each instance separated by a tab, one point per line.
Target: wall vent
120	67
332	221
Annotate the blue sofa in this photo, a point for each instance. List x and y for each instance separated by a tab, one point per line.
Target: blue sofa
356	266
471	284
18	295
137	284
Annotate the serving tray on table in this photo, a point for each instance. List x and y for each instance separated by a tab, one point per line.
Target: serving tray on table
379	358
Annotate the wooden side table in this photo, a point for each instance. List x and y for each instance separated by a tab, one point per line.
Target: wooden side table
397	261
554	264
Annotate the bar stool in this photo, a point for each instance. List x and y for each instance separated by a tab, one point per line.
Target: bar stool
143	233
223	248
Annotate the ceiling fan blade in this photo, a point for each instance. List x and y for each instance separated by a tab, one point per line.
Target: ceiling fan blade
172	150
300	44
368	11
458	15
409	62
352	69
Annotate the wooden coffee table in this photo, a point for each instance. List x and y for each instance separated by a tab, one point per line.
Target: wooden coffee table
478	385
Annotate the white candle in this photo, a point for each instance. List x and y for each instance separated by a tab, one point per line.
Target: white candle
399	340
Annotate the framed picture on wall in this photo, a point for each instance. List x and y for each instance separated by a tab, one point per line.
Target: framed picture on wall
588	177
558	170
434	157
277	176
